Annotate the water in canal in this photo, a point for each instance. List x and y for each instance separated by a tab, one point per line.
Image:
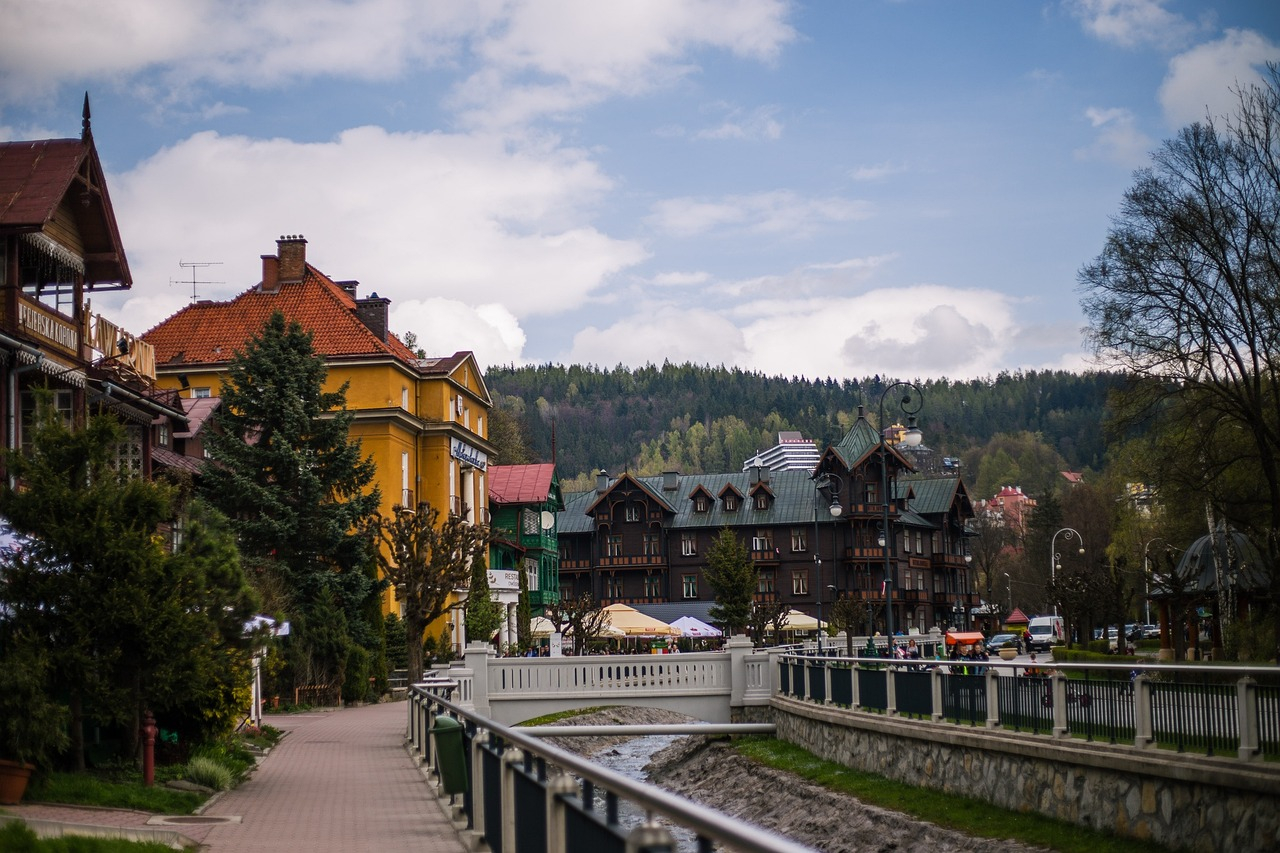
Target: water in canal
629	759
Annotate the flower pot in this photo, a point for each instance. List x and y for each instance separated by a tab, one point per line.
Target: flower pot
1008	654
13	781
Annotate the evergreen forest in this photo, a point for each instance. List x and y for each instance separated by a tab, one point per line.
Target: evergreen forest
1014	429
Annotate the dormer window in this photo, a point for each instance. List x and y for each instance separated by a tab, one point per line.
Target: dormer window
633	512
730	503
762	500
700	504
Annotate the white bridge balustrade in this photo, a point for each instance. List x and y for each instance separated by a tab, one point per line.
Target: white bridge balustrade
702	685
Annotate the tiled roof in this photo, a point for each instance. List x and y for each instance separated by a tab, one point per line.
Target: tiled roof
198	410
520	484
167	458
210	332
933	496
34	177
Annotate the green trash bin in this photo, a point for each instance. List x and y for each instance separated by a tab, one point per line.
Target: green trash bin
451	761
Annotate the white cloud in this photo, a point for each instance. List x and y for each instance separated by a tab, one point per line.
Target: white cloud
743	124
445	326
877	172
446	217
680	279
666	333
1200	81
1130	23
778	212
1117	138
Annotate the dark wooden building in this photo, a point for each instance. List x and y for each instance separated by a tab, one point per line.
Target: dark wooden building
643	540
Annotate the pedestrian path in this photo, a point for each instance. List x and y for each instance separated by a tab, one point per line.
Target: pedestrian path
340	781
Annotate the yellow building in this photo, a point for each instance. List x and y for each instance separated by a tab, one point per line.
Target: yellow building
424	421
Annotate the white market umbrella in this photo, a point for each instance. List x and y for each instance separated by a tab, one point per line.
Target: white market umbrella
693	627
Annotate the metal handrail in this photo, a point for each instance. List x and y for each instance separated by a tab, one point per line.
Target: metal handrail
703	821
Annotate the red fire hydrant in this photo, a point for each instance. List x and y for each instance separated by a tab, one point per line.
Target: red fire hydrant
149	732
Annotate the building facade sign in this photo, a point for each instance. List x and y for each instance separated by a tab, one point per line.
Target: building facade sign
468	454
504	579
34	320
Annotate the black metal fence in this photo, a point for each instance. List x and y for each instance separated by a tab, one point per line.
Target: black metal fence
1220	711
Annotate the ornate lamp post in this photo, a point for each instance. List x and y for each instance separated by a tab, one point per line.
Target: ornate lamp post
1055	559
825	486
911	438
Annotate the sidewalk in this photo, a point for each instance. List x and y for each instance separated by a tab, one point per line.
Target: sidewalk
340	781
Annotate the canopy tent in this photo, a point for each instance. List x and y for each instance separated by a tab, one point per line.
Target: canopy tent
797	621
633	623
965	638
540	627
691	627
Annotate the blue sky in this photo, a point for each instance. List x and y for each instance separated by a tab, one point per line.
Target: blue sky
815	189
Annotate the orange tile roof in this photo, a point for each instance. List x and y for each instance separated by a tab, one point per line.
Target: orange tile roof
210	332
520	484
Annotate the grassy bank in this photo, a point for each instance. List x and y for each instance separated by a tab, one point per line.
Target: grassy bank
970	816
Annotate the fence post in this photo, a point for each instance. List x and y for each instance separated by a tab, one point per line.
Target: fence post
935	688
739	647
477	780
993	697
1247	708
477	656
856	678
559	786
512	758
1058	690
1143	725
891	690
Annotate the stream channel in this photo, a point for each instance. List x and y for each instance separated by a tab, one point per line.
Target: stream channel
629	758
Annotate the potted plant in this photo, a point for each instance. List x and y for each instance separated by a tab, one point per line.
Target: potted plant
33	727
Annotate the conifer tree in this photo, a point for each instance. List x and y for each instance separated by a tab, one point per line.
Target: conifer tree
297	491
127	625
733	580
484	615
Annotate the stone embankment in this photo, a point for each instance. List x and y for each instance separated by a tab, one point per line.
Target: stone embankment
711	772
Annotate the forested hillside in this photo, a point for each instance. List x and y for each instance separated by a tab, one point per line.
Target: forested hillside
708	419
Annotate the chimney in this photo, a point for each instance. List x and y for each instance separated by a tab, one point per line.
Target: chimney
270	274
373	313
349	287
292	251
602	481
670	479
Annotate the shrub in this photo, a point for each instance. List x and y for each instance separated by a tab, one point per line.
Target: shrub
208	772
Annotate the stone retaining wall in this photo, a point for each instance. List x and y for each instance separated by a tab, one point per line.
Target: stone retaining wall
1183	801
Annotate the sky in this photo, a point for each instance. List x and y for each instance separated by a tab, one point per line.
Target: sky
804	189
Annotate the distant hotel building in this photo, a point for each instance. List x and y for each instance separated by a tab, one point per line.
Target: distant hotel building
792	453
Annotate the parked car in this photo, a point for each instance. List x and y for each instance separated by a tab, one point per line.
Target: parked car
1002	641
1150	632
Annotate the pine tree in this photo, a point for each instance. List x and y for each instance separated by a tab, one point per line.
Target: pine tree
733	579
128	626
484	615
297	491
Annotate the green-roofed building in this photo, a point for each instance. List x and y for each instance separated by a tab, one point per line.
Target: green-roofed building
814	536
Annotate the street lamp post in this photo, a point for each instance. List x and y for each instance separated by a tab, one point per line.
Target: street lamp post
909	407
1055	558
1008	588
831	485
1146	576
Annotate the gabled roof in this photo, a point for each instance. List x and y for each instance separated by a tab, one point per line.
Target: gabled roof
198	411
522	484
647	488
935	496
37	179
208	333
462	368
860	442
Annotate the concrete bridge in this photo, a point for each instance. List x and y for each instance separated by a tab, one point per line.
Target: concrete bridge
1153	757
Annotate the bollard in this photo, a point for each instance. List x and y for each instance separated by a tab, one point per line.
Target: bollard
149	732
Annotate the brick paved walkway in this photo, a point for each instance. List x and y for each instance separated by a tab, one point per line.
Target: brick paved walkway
340	781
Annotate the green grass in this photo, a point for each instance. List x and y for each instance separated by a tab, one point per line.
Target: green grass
17	837
970	816
114	789
563	715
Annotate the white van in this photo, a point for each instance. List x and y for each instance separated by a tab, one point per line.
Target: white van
1046	631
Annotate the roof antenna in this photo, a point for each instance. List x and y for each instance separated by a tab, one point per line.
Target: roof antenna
193	265
86	134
